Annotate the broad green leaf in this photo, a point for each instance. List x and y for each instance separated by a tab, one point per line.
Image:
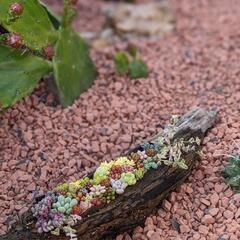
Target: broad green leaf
73	68
121	63
138	69
33	24
19	74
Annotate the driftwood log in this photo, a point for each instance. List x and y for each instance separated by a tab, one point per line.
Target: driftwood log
138	201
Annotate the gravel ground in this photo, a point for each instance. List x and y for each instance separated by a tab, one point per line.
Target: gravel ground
198	65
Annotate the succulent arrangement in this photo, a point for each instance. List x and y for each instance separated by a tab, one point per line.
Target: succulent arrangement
62	207
34	43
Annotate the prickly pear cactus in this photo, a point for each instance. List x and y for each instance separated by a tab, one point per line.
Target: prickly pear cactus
73	68
19	74
29	19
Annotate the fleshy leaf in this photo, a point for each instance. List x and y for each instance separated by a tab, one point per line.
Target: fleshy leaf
138	69
121	63
73	68
132	50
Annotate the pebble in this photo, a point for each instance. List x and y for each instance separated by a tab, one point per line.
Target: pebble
214	211
214	198
208	219
228	214
166	205
205	202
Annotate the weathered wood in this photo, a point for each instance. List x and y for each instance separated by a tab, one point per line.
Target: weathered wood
138	201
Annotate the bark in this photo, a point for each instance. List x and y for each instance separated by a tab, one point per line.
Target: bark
138	201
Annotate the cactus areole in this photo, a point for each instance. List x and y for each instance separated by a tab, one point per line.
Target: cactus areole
16	9
14	40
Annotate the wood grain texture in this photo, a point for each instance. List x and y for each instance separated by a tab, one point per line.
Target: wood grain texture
138	201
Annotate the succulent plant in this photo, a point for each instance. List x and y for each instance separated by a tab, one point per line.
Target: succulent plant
232	172
77	210
54	220
43	207
150	152
106	183
64	204
97	190
134	156
127	168
146	145
109	195
118	185
101	173
139	173
116	171
129	178
150	163
47	218
124	161
142	154
96	201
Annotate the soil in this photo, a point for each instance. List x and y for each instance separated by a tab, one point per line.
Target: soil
42	144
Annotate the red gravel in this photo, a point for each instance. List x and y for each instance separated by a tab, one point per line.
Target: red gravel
198	65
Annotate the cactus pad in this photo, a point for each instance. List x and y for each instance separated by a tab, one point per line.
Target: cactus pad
52	16
19	74
73	69
33	24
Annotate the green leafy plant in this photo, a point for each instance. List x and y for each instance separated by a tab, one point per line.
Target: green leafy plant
33	43
129	63
232	172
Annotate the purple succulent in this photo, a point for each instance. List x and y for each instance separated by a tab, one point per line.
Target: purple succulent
47	218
